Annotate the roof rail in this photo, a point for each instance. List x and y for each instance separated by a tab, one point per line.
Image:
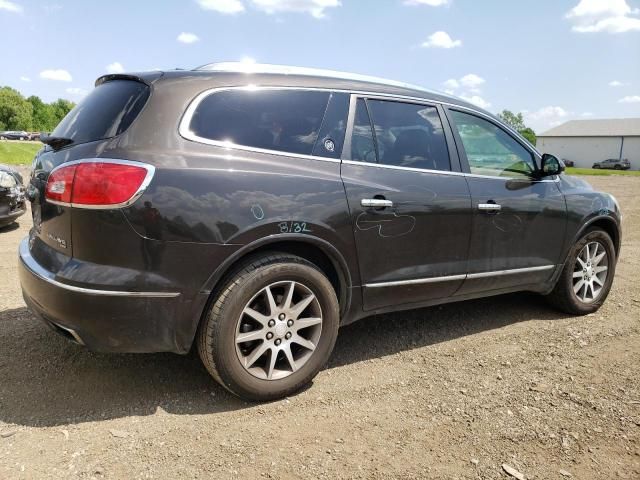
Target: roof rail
248	67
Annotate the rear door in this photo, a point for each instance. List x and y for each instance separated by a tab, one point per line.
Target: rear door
409	203
519	220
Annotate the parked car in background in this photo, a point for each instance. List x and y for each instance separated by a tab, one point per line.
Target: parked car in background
14	135
33	136
568	163
12	197
613	163
250	213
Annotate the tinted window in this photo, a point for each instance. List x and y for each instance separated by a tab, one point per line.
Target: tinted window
490	150
106	112
283	120
408	135
334	125
362	143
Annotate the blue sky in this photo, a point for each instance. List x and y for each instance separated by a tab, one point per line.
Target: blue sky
554	60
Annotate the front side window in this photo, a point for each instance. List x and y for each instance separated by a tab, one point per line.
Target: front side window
490	150
405	134
282	120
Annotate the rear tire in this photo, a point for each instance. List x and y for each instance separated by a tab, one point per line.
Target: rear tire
572	292
230	340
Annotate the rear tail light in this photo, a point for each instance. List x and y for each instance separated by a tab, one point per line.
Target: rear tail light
98	183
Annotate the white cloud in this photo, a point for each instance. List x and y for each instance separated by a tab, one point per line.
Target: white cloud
115	67
596	8
476	100
586	114
186	37
222	6
441	39
316	8
431	3
546	117
25	79
451	84
611	16
467	88
471	80
80	92
56	74
630	99
10	6
611	25
615	83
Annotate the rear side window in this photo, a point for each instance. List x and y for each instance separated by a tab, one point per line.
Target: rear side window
282	120
106	112
404	134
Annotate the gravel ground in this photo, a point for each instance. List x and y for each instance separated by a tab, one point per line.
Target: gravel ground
467	390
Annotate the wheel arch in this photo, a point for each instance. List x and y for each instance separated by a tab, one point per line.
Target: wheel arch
313	249
606	223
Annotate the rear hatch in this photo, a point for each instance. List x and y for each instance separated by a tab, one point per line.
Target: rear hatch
83	134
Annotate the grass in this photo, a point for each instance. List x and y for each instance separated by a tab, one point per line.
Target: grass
600	172
18	153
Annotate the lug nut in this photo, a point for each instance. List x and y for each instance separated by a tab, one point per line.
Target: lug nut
278	341
282	316
289	322
272	322
269	336
288	335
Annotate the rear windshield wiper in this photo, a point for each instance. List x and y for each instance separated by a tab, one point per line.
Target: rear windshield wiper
56	142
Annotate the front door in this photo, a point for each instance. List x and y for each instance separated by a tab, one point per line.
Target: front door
409	203
519	220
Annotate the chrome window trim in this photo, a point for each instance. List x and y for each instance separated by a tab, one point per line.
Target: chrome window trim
145	183
38	271
466	276
186	133
183	126
445	172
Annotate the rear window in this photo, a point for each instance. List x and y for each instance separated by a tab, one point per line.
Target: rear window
282	120
106	112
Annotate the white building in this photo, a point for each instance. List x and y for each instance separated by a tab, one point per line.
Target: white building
588	141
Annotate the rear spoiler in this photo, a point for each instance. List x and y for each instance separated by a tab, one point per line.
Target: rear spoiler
145	77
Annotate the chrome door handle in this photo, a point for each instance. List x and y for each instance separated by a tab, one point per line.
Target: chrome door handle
376	203
489	207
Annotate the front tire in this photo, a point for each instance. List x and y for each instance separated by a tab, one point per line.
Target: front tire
271	327
586	278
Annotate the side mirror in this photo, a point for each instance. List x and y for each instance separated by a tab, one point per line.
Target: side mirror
551	165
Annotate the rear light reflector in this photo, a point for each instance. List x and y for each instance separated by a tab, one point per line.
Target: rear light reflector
98	183
60	184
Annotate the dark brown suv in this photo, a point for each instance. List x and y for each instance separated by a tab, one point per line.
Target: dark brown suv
253	212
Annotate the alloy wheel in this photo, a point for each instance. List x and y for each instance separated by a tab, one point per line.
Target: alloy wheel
590	272
278	330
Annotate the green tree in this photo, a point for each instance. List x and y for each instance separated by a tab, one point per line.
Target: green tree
516	121
60	108
44	119
15	112
529	134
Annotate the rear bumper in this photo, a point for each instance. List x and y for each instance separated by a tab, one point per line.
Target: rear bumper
106	320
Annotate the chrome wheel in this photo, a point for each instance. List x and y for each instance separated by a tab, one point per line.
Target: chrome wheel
278	330
590	272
